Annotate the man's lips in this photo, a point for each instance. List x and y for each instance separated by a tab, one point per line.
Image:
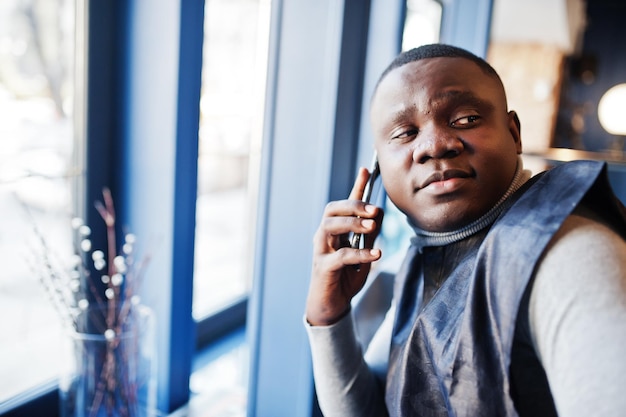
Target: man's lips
439	176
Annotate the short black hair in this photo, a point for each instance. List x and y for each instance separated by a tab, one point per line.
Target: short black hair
437	50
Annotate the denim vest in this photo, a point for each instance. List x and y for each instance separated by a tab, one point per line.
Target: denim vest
460	344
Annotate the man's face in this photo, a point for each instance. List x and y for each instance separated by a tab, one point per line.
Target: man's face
446	145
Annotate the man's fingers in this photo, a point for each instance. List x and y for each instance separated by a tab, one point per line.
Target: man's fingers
346	257
371	237
335	230
350	208
359	184
346	217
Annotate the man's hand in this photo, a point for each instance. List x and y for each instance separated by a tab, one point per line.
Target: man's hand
336	275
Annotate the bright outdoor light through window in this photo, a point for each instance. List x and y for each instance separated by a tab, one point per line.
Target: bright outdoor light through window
36	147
231	107
422	23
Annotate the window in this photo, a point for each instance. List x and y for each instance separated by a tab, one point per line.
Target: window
236	36
422	23
231	114
37	166
140	125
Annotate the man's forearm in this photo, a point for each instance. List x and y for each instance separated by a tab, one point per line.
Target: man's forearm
345	385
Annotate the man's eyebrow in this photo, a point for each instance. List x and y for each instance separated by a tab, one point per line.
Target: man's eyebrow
458	97
403	114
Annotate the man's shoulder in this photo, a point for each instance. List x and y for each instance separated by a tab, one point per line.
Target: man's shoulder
565	187
578	171
552	195
580	165
584	232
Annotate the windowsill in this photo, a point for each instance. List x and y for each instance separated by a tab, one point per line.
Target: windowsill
219	379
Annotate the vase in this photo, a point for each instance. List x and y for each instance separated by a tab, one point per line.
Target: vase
111	368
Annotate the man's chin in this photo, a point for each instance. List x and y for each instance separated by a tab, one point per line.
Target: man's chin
443	222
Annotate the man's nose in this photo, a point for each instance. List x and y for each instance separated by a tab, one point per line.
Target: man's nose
436	143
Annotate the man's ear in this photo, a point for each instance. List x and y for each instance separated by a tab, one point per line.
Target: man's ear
515	128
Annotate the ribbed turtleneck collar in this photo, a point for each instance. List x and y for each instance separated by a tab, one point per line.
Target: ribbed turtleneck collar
425	238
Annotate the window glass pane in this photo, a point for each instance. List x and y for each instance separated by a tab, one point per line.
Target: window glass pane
422	23
36	168
231	113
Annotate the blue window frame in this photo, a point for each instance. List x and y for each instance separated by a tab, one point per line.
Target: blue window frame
141	131
143	67
315	61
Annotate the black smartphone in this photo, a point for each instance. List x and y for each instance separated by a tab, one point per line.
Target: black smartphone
355	243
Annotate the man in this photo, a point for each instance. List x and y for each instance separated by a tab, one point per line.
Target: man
512	297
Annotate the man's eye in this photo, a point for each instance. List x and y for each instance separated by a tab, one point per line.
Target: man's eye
405	134
465	121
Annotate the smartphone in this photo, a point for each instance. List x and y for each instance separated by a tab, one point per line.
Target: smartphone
355	242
